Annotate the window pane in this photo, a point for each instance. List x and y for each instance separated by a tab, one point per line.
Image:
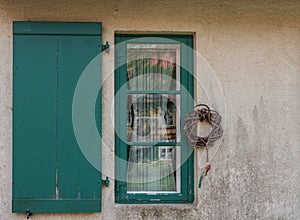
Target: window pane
153	118
153	169
153	66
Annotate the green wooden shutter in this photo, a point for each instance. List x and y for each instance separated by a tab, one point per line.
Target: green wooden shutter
50	173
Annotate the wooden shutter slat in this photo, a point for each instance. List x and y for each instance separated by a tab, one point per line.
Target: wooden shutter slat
34	134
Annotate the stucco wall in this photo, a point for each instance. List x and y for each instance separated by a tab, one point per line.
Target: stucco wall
253	48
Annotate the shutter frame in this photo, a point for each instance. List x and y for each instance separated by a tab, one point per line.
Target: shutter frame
28	194
57	28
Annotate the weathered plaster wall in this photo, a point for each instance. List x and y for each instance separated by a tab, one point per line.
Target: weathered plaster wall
253	47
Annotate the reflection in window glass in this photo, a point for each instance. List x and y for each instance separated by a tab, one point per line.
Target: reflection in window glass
153	169
152	118
153	66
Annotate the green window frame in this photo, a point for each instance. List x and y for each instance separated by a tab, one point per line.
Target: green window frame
50	172
186	94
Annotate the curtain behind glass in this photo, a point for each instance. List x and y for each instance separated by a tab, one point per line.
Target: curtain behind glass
151	118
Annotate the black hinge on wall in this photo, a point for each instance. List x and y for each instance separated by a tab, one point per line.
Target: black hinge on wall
105	46
105	182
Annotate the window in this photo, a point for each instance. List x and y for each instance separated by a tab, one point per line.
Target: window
50	172
153	92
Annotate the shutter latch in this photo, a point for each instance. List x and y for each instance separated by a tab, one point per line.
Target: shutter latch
28	213
105	46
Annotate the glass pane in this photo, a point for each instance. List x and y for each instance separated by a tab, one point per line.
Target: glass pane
153	118
153	66
153	169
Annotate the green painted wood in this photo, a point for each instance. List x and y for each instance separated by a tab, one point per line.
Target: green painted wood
186	86
77	178
50	173
187	91
57	28
50	206
190	83
34	117
121	153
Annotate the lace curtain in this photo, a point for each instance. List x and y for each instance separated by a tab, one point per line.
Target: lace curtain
151	118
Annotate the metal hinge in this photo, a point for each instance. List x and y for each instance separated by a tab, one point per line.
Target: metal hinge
105	46
105	182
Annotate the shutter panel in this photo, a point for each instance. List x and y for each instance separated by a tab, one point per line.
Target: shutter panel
50	173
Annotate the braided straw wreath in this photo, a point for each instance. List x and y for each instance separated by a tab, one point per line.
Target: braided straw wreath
201	112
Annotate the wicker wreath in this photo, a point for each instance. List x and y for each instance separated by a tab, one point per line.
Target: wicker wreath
202	112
